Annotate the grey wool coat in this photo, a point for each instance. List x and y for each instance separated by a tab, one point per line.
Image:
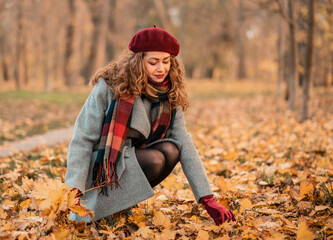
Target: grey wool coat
134	186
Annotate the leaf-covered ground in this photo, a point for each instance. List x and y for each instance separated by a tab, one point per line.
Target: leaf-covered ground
273	172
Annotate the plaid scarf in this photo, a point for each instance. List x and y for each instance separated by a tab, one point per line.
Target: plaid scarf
116	128
161	111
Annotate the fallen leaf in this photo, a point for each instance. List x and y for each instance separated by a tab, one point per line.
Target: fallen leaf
160	219
277	236
321	208
269	225
303	233
25	203
166	234
306	188
245	204
202	235
144	232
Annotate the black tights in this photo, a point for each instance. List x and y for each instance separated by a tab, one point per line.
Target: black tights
158	161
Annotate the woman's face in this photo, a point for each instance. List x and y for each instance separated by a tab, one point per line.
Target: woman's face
157	65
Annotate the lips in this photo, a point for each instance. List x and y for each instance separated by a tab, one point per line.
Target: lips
159	76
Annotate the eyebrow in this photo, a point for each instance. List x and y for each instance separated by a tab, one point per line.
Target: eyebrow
154	58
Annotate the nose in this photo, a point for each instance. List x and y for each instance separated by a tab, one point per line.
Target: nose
160	67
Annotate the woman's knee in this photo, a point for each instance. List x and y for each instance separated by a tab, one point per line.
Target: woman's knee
169	150
157	161
151	161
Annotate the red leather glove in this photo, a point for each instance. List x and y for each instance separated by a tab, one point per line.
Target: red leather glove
219	213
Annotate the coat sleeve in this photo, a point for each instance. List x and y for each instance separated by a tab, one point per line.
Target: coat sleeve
86	135
189	158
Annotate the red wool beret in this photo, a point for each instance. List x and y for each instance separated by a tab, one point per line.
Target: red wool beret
154	39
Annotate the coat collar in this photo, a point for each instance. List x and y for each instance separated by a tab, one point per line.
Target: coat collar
141	115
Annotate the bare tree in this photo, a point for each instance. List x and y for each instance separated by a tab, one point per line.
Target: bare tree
4	64
70	78
20	46
307	81
281	53
99	11
241	72
163	15
110	48
293	71
48	86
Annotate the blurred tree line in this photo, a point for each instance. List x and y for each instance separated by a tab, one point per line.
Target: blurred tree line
49	44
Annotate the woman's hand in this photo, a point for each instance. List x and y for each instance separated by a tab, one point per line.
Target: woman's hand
219	213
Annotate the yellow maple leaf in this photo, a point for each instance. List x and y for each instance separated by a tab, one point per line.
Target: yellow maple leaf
303	233
230	155
306	188
221	183
137	219
53	196
49	194
203	235
25	203
277	236
245	203
160	219
62	233
166	234
81	211
8	226
3	214
72	204
172	183
144	232
195	219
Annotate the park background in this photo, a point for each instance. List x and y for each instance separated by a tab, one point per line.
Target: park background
259	76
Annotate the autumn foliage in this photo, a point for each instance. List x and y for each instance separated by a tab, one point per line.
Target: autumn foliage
273	172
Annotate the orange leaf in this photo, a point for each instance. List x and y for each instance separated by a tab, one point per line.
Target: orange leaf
25	203
306	188
245	204
303	233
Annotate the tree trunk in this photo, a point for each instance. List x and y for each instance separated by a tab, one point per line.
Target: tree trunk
163	15
99	11
293	72
4	64
18	70
307	81
281	63
241	73
70	79
48	86
111	32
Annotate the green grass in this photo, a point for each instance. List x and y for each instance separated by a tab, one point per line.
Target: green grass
66	97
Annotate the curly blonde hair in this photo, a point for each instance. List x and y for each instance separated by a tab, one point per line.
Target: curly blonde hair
127	76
